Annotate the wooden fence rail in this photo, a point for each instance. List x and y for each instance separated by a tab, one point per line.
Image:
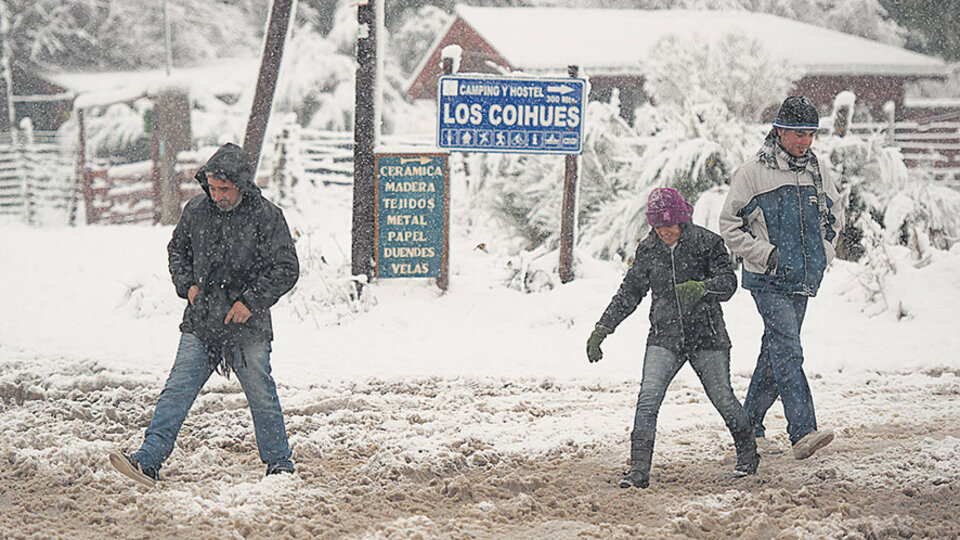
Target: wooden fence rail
933	147
128	193
39	184
326	156
36	178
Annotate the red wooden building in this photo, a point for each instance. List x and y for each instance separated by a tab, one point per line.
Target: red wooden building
609	45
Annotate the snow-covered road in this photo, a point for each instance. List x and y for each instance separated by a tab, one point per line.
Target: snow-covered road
470	457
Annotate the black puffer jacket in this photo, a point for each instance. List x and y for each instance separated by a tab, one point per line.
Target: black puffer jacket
699	255
245	254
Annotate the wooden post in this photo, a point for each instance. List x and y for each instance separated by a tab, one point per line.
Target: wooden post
155	174
890	110
443	280
568	218
28	186
267	80
172	116
365	131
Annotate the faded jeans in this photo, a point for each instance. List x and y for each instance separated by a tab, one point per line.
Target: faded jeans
779	368
190	372
661	365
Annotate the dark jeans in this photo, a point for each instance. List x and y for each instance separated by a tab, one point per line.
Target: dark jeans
190	372
779	368
661	365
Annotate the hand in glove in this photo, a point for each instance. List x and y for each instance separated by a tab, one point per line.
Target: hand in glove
690	291
594	354
773	259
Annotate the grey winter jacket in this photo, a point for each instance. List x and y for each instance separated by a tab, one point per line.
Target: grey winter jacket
768	208
246	254
699	255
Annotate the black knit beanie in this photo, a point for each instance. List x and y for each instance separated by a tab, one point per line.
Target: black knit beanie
797	112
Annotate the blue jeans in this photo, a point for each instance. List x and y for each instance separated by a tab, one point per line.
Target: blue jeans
779	368
661	365
190	372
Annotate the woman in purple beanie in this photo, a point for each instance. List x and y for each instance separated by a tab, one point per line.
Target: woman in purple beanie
688	272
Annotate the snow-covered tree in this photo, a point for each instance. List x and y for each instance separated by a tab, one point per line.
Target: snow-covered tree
116	34
736	70
316	82
415	33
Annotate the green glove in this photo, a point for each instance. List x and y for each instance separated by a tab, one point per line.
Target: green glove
594	354
690	291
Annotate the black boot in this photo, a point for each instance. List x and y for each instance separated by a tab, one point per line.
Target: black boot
747	457
641	454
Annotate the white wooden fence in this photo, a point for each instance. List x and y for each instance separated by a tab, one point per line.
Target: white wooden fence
933	147
37	180
327	156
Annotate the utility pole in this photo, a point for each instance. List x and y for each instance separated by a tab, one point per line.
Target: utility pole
267	79
365	132
166	38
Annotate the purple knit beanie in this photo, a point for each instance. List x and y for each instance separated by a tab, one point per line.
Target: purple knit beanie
666	207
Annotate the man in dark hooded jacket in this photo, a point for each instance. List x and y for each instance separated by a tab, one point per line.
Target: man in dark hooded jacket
231	257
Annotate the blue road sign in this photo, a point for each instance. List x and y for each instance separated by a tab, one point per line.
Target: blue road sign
411	215
510	114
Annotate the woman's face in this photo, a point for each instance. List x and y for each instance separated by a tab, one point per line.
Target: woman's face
669	235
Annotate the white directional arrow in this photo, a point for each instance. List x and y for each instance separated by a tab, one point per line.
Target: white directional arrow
422	160
562	89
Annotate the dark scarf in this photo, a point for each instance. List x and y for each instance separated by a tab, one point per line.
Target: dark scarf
221	341
773	155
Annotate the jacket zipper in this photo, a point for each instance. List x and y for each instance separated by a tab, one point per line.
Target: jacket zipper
803	244
676	295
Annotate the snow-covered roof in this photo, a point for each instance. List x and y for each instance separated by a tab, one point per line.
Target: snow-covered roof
222	76
610	39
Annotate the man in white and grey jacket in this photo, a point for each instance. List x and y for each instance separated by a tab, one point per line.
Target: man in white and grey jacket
783	217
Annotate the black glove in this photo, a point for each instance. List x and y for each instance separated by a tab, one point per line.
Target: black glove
773	259
600	332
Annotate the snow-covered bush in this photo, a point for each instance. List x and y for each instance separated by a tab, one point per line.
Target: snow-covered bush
327	292
887	206
704	92
911	207
691	149
317	81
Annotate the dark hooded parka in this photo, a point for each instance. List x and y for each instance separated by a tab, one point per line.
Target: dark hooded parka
244	254
699	255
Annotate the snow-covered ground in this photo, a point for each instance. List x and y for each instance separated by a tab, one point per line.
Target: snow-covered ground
472	413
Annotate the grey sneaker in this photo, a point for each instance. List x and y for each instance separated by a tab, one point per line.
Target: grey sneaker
129	465
811	442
